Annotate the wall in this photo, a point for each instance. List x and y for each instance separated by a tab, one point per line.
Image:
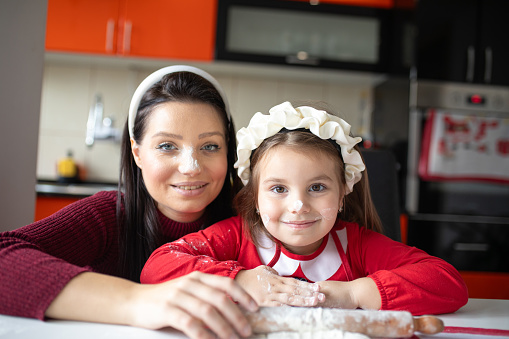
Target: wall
69	88
22	30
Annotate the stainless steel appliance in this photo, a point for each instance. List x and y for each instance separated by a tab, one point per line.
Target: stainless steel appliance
463	219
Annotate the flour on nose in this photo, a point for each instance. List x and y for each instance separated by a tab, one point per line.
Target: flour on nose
187	160
297	205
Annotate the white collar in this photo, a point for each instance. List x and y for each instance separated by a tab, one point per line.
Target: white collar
319	268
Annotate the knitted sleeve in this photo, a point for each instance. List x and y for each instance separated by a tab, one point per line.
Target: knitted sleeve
214	250
407	278
38	260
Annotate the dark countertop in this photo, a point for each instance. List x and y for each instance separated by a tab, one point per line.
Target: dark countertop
82	189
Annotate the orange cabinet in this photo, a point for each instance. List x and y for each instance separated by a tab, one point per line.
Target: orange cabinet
152	28
47	205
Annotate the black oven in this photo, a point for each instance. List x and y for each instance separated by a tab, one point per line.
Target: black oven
453	146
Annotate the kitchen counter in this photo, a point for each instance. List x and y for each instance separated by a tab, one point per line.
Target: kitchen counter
75	189
480	318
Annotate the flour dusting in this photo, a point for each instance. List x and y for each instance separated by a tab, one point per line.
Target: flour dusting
297	205
187	160
326	334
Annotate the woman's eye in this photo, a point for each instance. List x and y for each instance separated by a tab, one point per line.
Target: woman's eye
211	147
317	187
166	147
278	189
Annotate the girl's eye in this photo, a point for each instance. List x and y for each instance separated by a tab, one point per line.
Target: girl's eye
278	189
166	147
317	188
211	147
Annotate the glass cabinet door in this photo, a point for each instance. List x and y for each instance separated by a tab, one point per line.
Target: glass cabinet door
323	35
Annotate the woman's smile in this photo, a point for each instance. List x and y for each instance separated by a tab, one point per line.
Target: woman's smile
190	189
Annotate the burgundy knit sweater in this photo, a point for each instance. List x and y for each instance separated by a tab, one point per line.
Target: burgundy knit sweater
38	260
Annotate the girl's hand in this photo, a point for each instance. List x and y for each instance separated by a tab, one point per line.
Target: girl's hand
196	304
269	289
360	293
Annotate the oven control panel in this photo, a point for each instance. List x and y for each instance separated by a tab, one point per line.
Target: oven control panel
460	96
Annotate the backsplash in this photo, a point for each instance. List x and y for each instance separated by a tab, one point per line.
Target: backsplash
69	91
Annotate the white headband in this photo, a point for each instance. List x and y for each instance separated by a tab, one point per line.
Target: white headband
157	76
320	123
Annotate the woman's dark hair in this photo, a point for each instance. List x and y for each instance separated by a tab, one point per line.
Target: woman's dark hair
358	206
139	227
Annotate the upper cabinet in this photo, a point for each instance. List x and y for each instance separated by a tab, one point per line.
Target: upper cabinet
463	41
302	33
149	28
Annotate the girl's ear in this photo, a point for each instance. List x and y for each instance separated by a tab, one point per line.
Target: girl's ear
341	202
135	149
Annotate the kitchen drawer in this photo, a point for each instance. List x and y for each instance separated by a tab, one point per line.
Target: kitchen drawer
476	245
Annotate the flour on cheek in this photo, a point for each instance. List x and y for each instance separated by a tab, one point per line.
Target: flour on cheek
329	213
265	219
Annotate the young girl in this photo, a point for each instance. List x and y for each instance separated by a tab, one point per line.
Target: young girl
306	213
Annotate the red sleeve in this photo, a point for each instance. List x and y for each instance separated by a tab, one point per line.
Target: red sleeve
38	260
408	278
214	250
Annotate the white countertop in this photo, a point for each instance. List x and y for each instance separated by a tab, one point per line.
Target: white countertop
481	314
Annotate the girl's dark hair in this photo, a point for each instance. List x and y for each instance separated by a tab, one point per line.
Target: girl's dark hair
139	227
358	206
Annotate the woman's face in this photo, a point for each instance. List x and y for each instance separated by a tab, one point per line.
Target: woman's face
299	195
183	158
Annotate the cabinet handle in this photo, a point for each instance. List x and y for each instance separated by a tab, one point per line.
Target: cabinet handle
470	64
488	65
128	26
110	32
471	247
302	58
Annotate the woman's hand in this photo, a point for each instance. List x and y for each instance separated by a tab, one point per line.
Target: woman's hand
360	293
196	304
269	289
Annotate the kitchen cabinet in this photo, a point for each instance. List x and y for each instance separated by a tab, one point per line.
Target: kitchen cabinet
463	41
302	34
46	205
150	28
367	3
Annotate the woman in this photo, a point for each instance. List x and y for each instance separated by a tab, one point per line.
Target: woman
176	177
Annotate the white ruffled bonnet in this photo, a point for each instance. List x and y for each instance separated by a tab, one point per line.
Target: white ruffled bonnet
320	123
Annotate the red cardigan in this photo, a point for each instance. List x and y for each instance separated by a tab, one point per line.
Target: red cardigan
407	278
38	260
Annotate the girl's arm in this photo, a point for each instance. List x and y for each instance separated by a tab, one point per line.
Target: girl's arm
359	293
393	276
213	250
190	304
216	250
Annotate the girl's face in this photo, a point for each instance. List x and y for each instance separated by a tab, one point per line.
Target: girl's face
182	157
299	195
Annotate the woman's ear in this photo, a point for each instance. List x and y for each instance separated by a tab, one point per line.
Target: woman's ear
135	149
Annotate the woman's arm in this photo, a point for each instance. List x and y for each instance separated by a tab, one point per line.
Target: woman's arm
190	304
38	260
